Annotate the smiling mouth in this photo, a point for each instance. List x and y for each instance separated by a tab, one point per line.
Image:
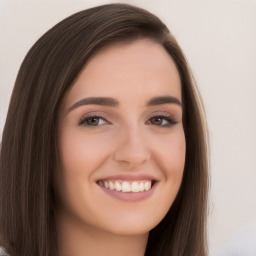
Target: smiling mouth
127	186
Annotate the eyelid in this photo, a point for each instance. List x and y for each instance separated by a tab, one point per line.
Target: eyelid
174	116
95	113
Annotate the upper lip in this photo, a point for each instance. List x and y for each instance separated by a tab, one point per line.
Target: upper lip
129	177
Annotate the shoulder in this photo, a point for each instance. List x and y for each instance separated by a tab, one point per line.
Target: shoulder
3	252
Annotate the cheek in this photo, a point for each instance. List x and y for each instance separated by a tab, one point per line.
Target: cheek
81	155
171	160
171	155
81	152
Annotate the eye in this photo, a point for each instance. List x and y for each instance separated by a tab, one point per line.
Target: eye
93	121
161	120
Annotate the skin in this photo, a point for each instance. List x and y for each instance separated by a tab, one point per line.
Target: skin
126	141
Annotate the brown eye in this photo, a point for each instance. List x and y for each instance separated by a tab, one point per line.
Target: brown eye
156	120
93	121
162	121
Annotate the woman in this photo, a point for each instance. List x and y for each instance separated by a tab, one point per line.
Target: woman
104	148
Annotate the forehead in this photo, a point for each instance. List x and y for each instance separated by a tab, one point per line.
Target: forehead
141	67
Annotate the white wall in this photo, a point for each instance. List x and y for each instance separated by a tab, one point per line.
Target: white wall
219	40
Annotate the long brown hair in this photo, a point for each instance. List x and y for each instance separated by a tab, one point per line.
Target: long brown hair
29	154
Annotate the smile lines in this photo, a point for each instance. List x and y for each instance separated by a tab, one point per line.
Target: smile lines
127	186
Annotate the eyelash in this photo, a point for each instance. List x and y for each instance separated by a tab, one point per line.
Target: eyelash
171	121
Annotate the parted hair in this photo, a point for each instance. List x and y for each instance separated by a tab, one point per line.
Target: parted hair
29	153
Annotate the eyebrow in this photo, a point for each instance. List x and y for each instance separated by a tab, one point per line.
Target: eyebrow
110	102
164	100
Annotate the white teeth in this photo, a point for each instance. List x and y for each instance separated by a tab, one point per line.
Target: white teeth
106	184
118	186
111	185
135	187
141	186
147	185
127	186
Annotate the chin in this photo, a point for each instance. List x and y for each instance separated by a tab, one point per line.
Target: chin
131	225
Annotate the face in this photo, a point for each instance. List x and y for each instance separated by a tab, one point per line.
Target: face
121	141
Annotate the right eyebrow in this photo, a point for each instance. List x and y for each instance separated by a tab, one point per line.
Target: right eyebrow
110	102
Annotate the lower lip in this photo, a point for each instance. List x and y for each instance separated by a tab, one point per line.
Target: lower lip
130	196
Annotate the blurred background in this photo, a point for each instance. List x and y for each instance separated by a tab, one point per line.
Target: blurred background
218	38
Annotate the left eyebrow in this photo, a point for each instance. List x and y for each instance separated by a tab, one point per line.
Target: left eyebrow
110	102
164	100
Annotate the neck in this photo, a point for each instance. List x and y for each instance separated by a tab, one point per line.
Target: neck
82	240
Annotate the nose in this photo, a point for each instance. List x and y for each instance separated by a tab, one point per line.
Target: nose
132	148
